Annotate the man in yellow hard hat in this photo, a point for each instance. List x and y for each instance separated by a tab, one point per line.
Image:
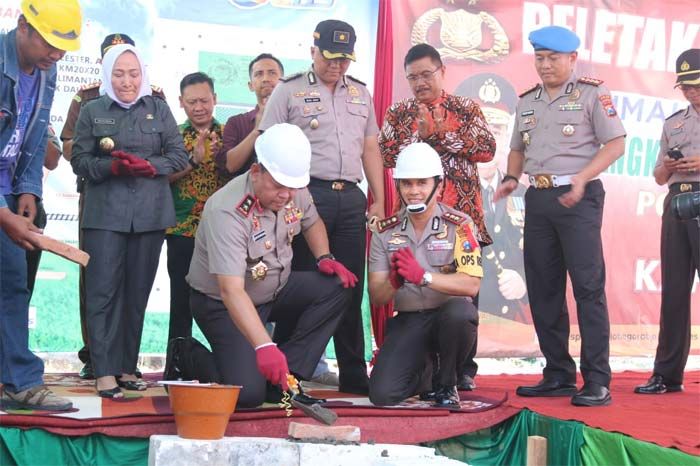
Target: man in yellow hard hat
45	30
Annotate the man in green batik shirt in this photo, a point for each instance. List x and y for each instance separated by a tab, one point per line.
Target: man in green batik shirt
191	188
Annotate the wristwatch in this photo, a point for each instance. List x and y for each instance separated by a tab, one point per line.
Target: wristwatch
509	177
427	279
325	256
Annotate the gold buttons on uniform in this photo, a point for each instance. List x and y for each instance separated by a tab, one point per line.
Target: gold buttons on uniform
313	123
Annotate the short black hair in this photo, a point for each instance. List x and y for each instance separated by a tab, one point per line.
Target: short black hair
264	56
196	78
421	51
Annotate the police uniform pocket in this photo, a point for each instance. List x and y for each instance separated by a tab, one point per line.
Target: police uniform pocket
527	123
441	259
257	249
108	128
678	139
358	109
151	130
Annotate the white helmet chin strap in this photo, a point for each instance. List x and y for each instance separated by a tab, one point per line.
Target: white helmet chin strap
423	206
416	208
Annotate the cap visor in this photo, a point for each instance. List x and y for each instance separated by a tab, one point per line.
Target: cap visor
691	80
331	55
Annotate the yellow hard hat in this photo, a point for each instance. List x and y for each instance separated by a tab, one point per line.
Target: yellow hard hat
58	21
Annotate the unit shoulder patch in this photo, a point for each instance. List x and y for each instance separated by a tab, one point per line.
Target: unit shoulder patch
531	89
352	78
389	222
456	219
246	205
590	81
291	77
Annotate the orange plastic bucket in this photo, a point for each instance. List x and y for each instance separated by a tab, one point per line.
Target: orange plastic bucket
202	411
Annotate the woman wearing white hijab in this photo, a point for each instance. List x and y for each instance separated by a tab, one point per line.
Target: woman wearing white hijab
126	144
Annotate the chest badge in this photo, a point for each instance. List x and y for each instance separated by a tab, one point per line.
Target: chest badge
568	130
526	138
268	244
396	241
106	145
443	232
314	123
259	271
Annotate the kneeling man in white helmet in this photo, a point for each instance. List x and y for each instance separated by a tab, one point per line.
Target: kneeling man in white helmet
425	259
241	276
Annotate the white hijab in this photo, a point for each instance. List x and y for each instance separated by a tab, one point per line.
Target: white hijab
108	64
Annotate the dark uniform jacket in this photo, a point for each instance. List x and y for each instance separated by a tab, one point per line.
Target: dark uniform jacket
123	203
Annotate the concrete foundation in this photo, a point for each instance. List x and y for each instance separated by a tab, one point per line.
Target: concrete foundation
171	450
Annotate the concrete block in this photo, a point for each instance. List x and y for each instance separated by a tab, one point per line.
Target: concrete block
171	450
302	431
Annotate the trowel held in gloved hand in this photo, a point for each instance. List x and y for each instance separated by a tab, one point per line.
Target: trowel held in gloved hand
315	411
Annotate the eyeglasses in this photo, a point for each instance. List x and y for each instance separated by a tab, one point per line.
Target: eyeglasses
425	76
687	87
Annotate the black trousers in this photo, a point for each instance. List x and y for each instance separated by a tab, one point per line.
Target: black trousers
306	312
411	338
84	352
556	240
180	249
118	282
343	212
34	257
680	262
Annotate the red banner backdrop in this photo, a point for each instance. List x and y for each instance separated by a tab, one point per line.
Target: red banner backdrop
630	44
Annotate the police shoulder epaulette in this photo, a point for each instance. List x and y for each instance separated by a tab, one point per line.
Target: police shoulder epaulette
452	217
676	113
355	79
94	85
591	81
246	205
536	86
291	77
384	224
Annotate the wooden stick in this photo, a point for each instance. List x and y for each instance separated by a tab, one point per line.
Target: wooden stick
62	249
536	451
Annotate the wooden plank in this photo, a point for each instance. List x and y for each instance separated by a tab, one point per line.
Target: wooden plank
62	249
536	451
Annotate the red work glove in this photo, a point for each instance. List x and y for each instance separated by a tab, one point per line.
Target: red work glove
333	267
121	167
272	364
395	279
143	168
120	154
408	266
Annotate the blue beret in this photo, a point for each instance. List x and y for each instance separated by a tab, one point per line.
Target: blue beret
554	38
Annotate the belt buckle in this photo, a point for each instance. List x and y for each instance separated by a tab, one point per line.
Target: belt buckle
337	185
685	187
543	181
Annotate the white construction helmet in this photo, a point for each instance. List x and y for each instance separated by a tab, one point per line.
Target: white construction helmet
418	160
285	152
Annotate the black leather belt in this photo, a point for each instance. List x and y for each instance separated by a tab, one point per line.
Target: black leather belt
335	185
684	187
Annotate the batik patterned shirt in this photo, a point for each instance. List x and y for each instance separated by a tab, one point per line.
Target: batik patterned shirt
462	141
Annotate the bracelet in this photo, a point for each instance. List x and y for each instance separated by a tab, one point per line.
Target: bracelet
509	177
325	256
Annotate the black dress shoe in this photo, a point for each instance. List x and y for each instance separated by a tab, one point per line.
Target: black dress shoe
427	395
547	388
135	385
657	385
447	397
86	373
138	373
115	392
466	382
592	394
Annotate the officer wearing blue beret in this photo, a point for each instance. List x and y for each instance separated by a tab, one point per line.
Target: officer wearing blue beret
566	133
